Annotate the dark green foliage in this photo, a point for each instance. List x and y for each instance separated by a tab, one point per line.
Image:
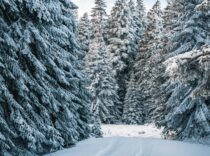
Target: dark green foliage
43	103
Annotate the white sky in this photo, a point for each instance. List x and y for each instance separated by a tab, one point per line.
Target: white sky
86	5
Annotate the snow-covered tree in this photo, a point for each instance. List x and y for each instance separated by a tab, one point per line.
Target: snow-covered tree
141	16
84	32
171	18
146	68
133	113
186	31
121	44
103	86
188	105
99	17
75	15
43	103
96	128
136	26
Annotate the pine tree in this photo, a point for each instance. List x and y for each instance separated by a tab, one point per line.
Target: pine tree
43	103
135	26
164	87
99	16
171	18
130	103
96	129
103	86
121	44
146	68
84	32
133	113
141	18
188	104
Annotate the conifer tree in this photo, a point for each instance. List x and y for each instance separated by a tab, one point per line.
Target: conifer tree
96	129
133	113
146	68
103	86
188	104
135	26
99	16
43	103
84	31
121	44
141	18
160	80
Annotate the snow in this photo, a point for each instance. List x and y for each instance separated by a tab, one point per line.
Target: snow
124	140
124	146
144	131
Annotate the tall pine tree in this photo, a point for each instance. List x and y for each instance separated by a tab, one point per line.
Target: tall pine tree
146	67
99	17
135	26
43	103
121	44
84	32
103	87
141	18
133	113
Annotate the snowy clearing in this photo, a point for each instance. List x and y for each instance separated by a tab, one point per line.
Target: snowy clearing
124	146
124	140
143	131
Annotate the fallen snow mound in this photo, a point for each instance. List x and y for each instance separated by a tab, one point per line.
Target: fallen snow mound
143	131
124	146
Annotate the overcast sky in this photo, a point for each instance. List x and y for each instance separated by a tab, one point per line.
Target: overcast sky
86	5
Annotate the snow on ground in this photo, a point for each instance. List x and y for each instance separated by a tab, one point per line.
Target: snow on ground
124	140
144	131
124	146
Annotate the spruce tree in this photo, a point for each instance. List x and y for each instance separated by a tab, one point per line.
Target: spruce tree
43	103
133	113
84	32
188	103
141	18
103	87
146	68
188	107
96	128
121	44
99	17
135	26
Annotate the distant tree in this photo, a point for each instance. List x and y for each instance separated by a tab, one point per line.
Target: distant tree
133	113
103	86
146	68
84	32
99	16
135	26
141	16
121	43
96	128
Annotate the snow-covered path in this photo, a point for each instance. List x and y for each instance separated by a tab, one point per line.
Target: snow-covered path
124	140
124	146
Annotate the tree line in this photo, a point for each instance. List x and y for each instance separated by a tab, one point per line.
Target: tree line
60	78
159	64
